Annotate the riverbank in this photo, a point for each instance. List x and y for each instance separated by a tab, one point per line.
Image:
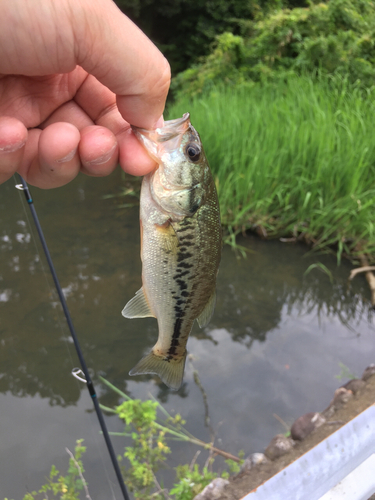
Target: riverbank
293	159
348	402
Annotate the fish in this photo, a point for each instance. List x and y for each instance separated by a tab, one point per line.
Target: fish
181	242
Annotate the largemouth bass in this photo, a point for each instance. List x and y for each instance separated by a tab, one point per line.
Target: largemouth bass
181	244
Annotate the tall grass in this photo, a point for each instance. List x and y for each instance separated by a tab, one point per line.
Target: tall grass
293	158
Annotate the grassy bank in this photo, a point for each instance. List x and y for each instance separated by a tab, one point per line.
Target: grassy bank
293	159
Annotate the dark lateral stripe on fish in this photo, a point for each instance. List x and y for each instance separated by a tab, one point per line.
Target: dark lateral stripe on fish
179	302
177	329
183	256
186	243
182	284
185	228
184	265
179	312
175	342
181	274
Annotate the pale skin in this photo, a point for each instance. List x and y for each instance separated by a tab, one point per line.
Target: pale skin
74	74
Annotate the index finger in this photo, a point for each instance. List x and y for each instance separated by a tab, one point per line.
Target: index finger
113	49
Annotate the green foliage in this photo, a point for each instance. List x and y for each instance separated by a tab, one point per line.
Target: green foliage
148	450
293	158
191	481
235	467
184	30
147	453
345	373
332	37
62	487
322	268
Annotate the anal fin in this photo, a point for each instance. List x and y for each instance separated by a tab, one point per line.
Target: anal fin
138	307
205	316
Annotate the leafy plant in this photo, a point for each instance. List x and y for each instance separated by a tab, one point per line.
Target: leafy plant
146	455
148	450
185	30
329	37
191	481
63	487
322	268
344	373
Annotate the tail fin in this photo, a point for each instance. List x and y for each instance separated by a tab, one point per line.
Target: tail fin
171	371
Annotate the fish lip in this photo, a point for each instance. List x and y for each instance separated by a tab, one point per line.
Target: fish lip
166	138
169	130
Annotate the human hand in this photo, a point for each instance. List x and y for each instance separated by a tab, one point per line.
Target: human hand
73	75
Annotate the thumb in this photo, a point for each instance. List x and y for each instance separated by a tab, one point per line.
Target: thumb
113	49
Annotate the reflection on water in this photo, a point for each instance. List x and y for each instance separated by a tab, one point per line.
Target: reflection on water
273	346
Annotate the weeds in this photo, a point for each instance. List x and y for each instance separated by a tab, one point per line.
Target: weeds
69	487
345	373
294	158
147	453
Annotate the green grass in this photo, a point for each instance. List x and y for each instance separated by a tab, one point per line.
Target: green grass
293	158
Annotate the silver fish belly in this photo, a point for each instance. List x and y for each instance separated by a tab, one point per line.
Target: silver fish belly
181	246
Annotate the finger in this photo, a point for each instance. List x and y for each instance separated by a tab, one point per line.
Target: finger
69	112
54	161
98	151
124	60
100	104
98	148
13	136
133	157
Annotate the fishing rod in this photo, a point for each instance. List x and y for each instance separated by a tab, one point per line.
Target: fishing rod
90	386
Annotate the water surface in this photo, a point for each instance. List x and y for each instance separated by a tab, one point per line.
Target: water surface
275	345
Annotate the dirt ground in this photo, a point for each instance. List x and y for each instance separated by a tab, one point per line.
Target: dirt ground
247	481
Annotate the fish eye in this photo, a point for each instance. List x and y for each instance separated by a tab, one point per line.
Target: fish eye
193	151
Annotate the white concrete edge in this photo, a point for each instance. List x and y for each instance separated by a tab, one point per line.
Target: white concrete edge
358	485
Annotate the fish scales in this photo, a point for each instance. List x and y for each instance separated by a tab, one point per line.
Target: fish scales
181	248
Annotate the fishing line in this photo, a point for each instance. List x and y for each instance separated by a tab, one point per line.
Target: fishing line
90	386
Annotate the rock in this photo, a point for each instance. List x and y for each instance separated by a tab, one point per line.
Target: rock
329	411
340	398
279	446
258	458
369	372
213	491
355	385
305	425
247	465
252	460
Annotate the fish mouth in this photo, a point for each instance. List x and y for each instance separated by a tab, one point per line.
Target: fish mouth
163	139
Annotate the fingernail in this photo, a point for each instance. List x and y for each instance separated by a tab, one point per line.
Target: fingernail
12	148
68	157
104	158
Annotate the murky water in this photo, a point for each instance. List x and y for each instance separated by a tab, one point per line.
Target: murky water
275	345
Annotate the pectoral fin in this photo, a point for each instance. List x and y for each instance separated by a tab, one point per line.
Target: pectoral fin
205	316
169	240
138	307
